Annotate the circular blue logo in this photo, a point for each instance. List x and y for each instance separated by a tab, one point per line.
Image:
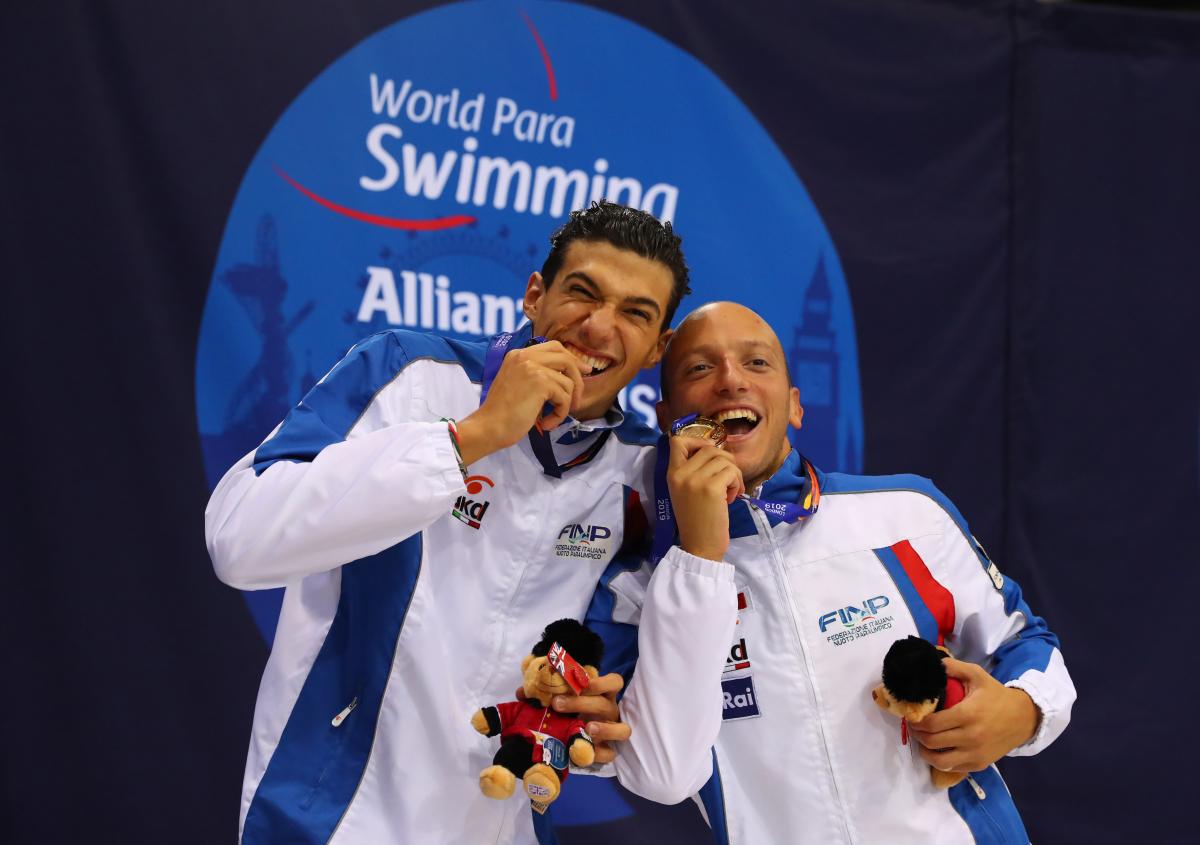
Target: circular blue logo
415	182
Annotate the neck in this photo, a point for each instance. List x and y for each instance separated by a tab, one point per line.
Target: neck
594	410
761	479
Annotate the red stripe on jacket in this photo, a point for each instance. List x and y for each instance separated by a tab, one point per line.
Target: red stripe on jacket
936	597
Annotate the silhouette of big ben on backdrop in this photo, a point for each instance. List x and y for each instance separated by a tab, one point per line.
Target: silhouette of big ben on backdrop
813	359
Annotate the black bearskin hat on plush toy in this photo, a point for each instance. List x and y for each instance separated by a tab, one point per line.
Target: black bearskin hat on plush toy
913	670
580	642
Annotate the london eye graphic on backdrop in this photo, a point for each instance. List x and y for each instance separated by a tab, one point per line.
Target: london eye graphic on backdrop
266	393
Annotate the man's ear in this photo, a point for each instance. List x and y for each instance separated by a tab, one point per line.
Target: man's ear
795	409
525	661
664	417
535	289
660	347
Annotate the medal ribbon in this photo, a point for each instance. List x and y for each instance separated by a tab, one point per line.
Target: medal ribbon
664	515
539	440
497	349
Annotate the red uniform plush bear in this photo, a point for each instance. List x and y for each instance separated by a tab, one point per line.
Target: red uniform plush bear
537	743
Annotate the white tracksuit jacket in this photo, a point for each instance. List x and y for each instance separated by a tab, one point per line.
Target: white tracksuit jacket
411	598
803	755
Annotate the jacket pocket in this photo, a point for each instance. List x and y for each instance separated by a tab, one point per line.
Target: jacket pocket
334	742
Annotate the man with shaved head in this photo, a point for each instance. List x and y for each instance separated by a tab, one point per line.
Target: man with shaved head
831	569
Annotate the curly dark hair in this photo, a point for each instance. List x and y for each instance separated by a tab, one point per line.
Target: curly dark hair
625	228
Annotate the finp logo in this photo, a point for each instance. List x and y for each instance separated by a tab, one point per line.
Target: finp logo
584	534
850	615
587	542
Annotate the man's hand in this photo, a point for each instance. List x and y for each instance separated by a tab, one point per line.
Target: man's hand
989	722
598	704
703	480
527	379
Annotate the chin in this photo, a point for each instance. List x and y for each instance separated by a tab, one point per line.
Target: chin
599	398
743	456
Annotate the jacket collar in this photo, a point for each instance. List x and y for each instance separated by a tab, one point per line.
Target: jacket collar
790	483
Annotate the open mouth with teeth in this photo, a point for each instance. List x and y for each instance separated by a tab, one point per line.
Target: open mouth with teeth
592	365
737	421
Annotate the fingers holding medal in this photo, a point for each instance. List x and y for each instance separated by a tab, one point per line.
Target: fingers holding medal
527	381
703	480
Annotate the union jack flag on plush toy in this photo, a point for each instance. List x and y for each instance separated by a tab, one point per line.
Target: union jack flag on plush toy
566	665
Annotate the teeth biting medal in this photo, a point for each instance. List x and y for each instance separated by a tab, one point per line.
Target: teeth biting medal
694	425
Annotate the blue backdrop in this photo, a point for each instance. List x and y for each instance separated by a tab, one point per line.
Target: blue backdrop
970	221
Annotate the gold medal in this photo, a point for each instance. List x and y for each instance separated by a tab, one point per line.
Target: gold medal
702	427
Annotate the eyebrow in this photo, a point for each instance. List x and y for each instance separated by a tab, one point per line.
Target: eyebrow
629	300
708	348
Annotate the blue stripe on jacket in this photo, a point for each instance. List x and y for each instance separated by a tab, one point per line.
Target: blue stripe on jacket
927	626
992	820
712	795
316	768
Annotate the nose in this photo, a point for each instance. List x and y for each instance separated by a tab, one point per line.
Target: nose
730	378
597	328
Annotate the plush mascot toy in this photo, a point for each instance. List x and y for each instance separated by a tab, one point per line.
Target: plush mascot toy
915	684
535	741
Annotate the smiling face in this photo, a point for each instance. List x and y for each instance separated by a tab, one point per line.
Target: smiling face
606	306
726	363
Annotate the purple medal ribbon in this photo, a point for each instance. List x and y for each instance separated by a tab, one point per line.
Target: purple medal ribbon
664	515
785	511
497	349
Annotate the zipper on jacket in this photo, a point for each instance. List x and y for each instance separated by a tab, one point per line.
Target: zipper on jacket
764	530
341	717
979	793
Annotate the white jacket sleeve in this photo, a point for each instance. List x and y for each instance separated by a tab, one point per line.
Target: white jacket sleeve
995	628
673	703
343	477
